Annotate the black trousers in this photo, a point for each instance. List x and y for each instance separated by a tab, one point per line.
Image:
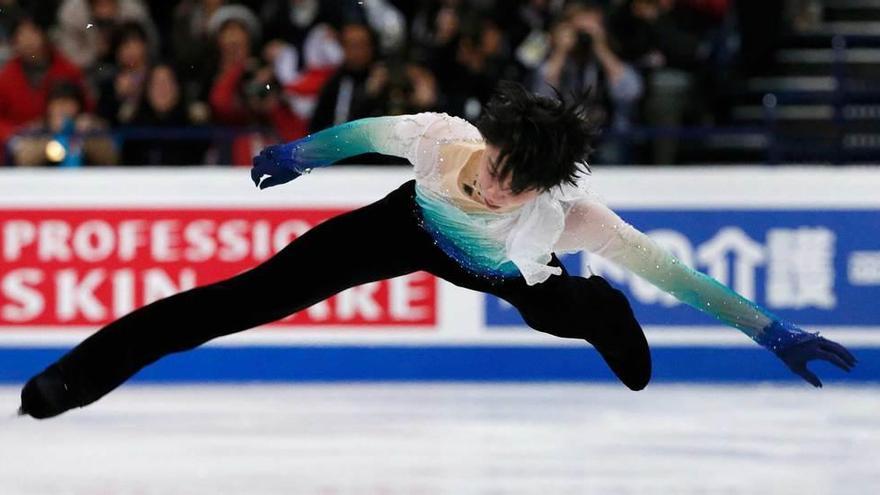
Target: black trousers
379	241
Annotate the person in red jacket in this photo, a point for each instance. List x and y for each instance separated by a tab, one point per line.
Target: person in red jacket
26	78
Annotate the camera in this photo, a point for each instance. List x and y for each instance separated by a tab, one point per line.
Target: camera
584	42
253	86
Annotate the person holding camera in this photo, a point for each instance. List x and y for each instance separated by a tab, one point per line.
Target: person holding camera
365	85
245	92
580	57
239	91
66	135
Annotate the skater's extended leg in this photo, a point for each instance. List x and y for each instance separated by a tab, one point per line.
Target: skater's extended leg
320	263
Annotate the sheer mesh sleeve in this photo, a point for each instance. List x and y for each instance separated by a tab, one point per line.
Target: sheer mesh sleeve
414	137
592	226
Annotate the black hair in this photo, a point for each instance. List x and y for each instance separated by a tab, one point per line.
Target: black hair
129	30
66	88
543	142
373	35
19	18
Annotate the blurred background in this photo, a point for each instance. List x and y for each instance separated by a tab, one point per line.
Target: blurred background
211	82
740	135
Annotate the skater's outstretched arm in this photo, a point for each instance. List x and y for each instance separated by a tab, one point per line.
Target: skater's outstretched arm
413	137
592	226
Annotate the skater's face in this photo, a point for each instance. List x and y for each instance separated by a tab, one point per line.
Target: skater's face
496	193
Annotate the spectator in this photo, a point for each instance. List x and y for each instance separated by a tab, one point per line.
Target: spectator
26	79
66	135
659	33
435	27
667	39
386	20
526	25
402	89
302	77
292	20
344	97
305	27
245	91
122	86
277	90
581	59
243	88
239	79
162	106
192	42
364	87
468	68
86	28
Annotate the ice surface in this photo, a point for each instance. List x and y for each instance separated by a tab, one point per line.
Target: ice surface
459	439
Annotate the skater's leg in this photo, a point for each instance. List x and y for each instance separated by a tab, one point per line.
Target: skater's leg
572	307
375	242
590	309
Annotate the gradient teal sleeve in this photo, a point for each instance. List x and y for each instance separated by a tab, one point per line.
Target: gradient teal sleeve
596	228
373	134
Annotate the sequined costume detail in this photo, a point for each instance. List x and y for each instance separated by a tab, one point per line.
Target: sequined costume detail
567	218
463	236
592	226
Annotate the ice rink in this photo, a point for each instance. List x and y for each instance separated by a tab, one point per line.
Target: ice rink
461	439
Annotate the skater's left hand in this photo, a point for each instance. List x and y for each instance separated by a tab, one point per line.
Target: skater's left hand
276	161
798	355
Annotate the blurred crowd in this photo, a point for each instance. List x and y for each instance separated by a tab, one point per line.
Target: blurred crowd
210	81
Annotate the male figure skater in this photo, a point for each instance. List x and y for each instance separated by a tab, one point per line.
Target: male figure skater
490	206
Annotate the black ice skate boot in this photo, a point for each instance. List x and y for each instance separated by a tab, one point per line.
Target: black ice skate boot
47	395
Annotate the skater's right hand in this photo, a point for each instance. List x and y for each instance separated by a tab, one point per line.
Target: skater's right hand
278	163
798	355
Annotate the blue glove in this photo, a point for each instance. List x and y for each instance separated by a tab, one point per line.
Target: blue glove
796	348
278	161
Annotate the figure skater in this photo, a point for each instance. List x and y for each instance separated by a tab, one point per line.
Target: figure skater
490	206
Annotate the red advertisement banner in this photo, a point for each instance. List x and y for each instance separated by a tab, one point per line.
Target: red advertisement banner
89	266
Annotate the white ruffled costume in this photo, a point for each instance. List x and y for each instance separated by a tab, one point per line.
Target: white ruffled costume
566	218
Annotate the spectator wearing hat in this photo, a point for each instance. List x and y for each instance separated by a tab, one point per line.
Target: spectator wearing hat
244	91
277	90
66	135
242	86
26	78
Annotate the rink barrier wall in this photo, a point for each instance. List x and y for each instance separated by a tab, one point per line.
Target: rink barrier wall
81	247
451	363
